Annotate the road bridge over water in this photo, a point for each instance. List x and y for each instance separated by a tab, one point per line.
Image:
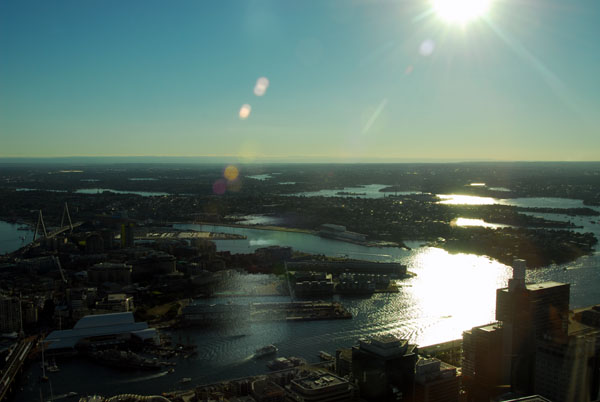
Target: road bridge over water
49	235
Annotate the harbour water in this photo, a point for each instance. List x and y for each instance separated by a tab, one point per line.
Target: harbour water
450	293
14	236
366	191
101	190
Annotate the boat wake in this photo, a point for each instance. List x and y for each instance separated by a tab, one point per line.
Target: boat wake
244	360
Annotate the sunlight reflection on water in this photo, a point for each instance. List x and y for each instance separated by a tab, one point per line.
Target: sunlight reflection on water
450	292
476	222
458	199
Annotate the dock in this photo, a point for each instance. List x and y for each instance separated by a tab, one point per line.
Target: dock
187	235
299	311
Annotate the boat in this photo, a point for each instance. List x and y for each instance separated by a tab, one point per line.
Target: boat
53	368
185	380
237	336
265	351
325	356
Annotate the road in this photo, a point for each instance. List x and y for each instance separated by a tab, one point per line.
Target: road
15	361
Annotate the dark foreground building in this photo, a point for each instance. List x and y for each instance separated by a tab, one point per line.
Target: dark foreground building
384	368
537	346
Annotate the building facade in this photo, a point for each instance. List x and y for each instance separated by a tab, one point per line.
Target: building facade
384	368
436	381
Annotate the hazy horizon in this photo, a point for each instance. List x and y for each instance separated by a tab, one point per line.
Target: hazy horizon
265	160
359	80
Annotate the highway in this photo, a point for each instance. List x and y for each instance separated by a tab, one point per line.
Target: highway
14	363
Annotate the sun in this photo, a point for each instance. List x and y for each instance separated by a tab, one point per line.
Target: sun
461	11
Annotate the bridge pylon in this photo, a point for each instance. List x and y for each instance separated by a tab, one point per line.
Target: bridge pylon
68	215
37	227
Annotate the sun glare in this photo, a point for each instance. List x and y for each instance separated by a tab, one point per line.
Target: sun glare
461	11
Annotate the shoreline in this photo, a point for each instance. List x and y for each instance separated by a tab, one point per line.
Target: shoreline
373	243
242	226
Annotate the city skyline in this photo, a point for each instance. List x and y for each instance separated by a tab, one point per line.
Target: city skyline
336	81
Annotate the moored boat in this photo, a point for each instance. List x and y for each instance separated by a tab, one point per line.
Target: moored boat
325	356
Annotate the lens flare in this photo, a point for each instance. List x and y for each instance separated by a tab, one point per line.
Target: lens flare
245	111
261	86
219	187
231	173
427	47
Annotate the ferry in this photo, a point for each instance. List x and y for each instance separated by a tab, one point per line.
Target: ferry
265	351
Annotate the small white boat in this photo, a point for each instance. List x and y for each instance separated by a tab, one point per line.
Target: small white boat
265	351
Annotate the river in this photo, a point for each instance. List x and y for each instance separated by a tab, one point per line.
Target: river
450	293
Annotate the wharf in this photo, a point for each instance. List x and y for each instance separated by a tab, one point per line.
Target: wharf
392	288
351	266
299	311
202	314
258	227
178	235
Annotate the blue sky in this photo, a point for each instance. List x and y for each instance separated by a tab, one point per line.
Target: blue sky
348	80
